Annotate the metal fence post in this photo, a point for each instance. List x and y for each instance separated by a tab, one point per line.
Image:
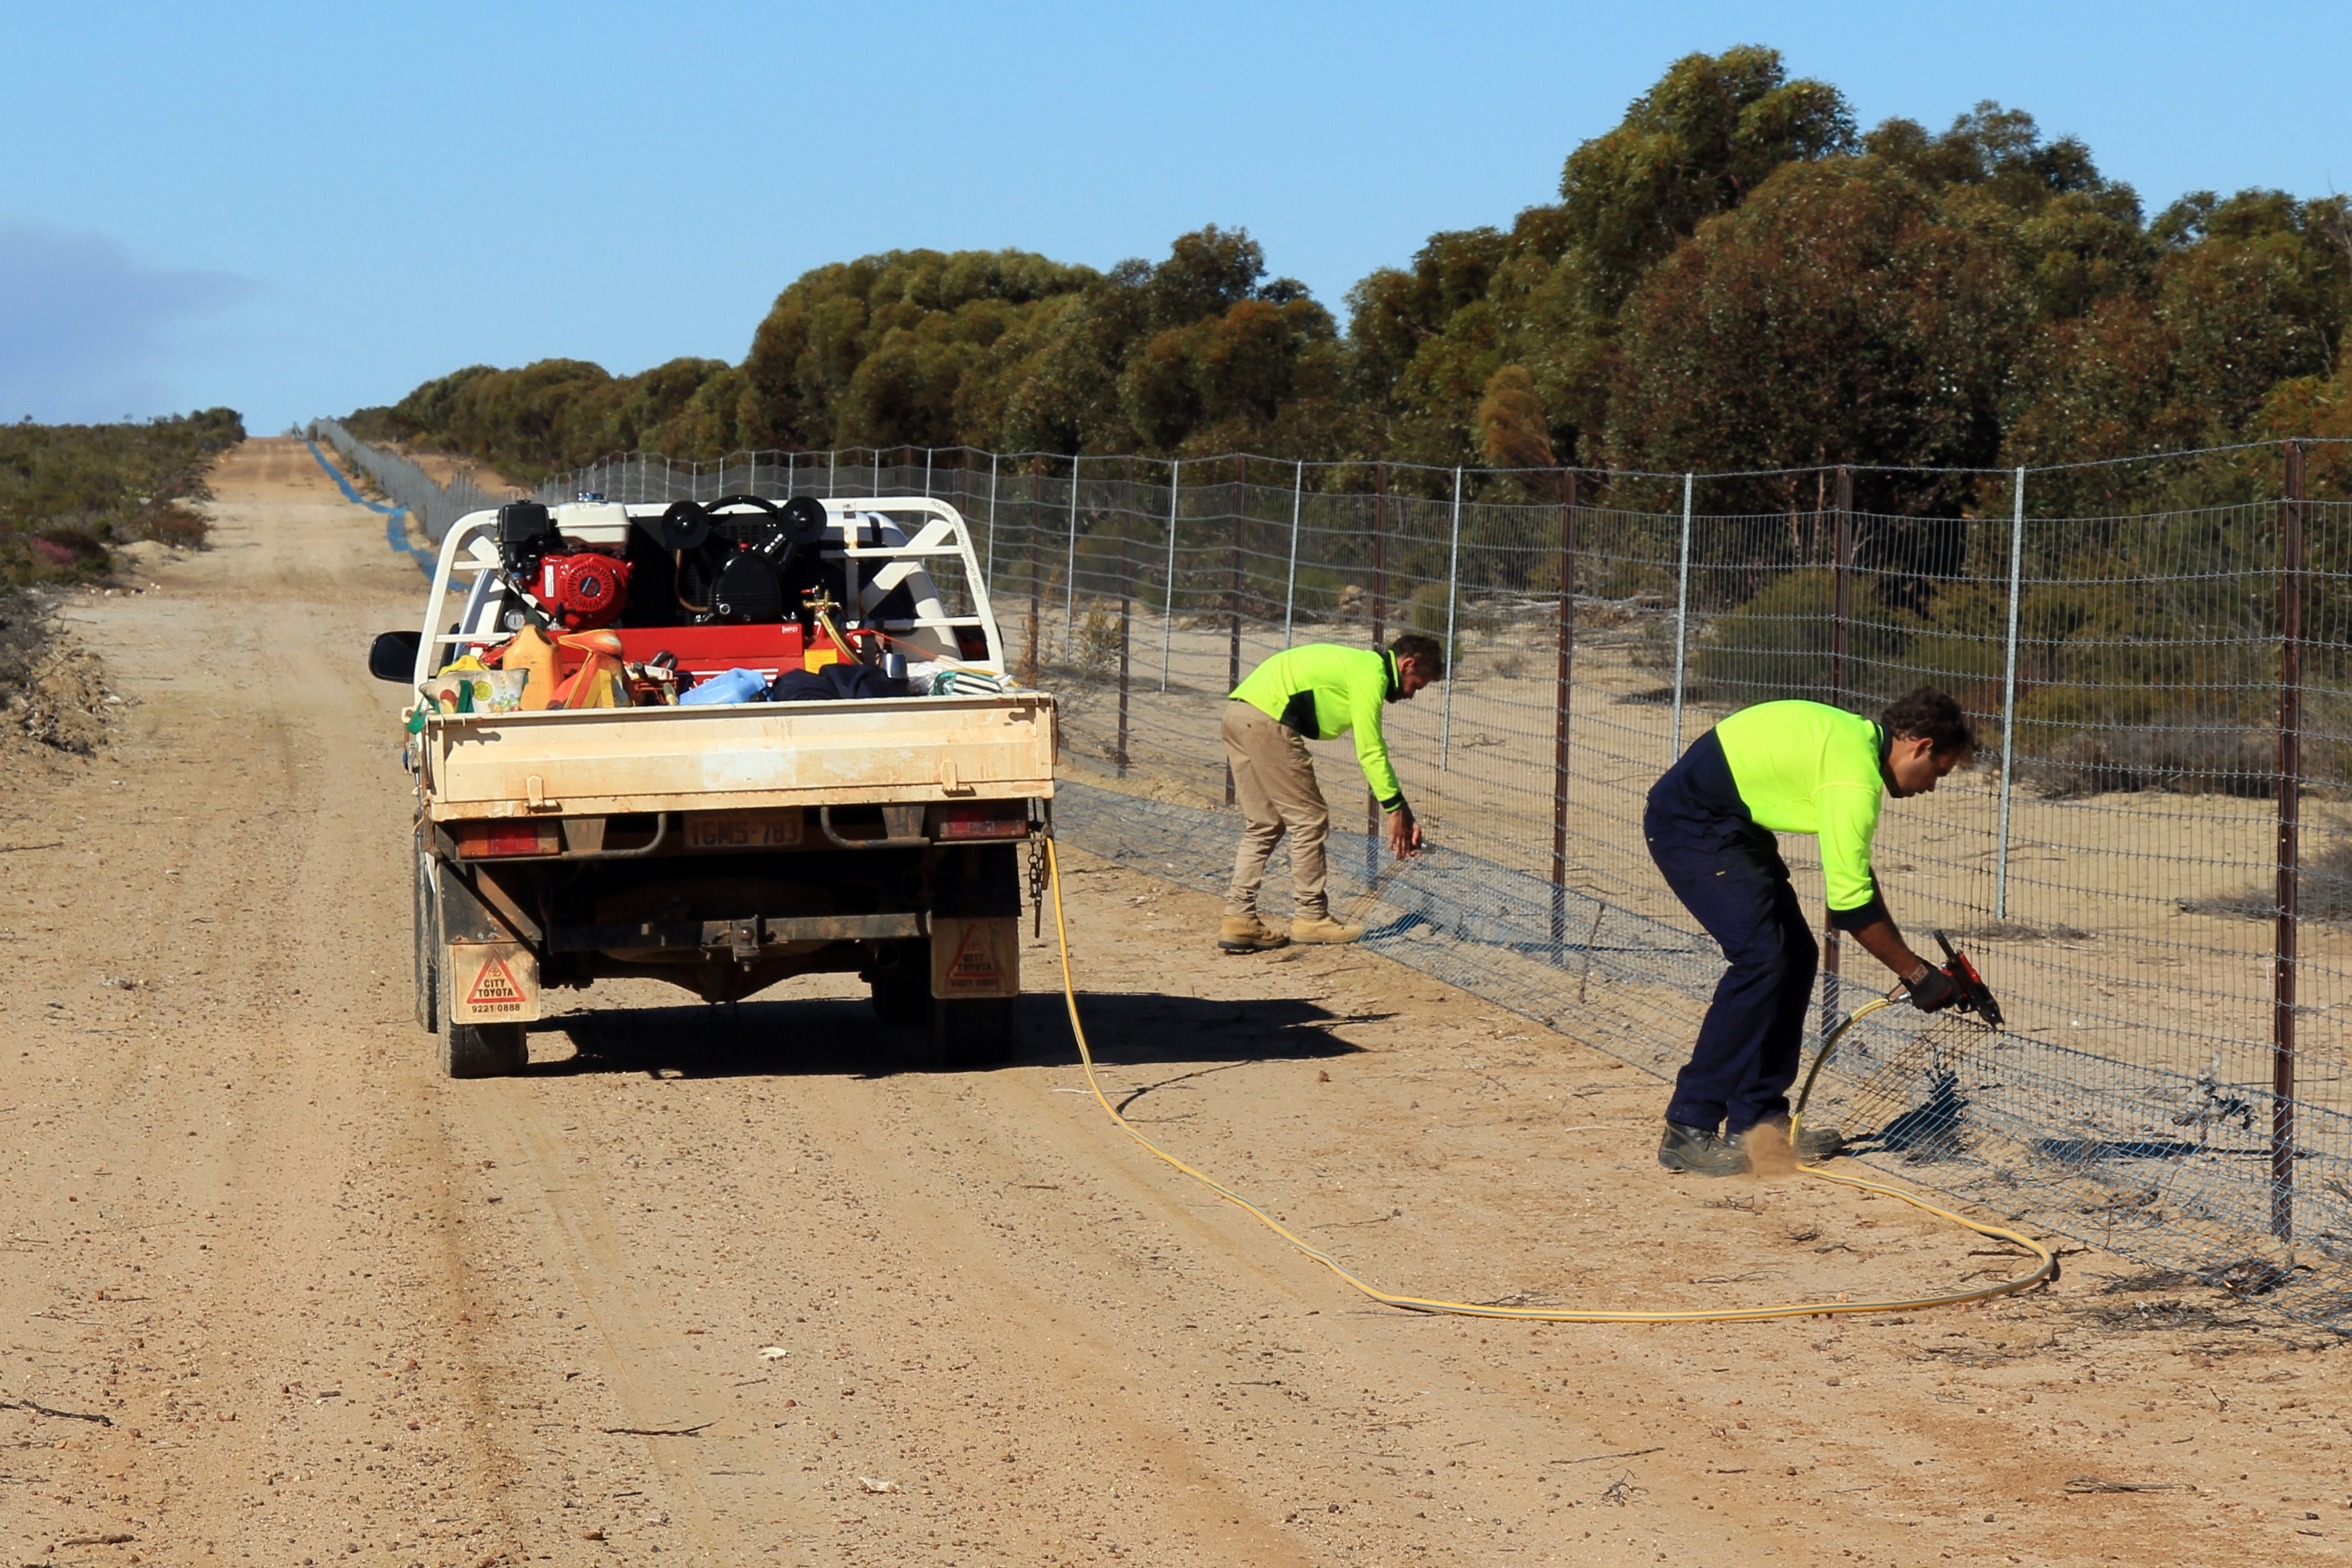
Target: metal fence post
2290	850
1070	570
988	567
833	473
1453	599
2009	696
1840	611
1290	583
1036	500
1168	619
1126	622
1841	585
1380	634
1234	636
927	473
1561	690
1682	614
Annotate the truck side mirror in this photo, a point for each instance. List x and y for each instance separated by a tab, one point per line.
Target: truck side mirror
393	656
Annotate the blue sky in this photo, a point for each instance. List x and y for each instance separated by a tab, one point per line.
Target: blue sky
298	210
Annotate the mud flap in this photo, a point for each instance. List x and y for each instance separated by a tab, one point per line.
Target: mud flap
975	956
491	982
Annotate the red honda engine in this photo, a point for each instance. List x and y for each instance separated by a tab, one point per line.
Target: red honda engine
584	590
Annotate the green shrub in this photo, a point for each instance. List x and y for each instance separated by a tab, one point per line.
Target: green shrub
1778	643
67	491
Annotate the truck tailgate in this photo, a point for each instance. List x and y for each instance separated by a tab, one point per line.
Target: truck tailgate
612	761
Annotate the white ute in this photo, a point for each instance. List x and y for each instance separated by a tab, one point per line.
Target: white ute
724	847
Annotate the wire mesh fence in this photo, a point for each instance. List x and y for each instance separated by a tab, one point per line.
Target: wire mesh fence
433	504
2152	858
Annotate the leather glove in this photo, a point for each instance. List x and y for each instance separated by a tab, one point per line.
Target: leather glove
1934	991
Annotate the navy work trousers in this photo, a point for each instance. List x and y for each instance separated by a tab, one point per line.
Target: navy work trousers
1728	873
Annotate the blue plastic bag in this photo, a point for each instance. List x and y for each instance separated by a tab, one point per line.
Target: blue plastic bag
732	686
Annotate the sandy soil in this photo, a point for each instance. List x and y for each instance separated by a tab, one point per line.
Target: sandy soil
737	1286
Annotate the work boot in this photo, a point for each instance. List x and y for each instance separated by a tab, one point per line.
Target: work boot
1812	1142
1247	933
1320	926
1701	1151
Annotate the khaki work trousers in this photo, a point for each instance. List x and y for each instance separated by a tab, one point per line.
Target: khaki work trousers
1273	784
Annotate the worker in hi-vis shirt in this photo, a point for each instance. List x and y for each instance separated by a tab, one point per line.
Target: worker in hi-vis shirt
1317	691
1784	767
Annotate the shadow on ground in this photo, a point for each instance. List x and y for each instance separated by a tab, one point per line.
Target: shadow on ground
833	1036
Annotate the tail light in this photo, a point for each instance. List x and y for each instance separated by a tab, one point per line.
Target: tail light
981	819
502	840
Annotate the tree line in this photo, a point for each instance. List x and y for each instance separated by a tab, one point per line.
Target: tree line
1734	276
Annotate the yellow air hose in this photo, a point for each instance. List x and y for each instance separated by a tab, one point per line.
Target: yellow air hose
2048	1268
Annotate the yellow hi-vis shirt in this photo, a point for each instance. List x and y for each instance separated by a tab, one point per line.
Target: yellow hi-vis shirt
1323	690
1807	767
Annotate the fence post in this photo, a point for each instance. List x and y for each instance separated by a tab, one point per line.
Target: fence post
2009	696
988	567
1168	620
832	474
927	473
2290	850
1379	635
1126	618
1070	570
1036	500
1290	583
1233	636
1841	585
1840	611
1453	599
1561	690
1682	614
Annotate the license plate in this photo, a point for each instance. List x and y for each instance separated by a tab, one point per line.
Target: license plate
743	830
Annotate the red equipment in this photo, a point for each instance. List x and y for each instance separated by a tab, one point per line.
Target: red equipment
1975	996
582	590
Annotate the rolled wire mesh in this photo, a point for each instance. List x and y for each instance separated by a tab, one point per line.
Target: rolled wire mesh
2112	859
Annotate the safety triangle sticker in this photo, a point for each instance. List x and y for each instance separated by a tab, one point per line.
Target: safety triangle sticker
970	965
496	985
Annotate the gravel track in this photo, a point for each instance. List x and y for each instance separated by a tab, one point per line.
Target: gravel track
742	1285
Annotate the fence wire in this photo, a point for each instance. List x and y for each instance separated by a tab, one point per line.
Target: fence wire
2151	859
434	505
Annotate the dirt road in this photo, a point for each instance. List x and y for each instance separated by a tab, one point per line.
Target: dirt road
738	1286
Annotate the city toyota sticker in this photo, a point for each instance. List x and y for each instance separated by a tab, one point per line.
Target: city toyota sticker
975	957
495	990
492	982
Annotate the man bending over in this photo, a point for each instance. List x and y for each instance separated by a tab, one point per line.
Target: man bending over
1784	767
1317	691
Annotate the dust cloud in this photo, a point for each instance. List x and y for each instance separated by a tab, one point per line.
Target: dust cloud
1769	1153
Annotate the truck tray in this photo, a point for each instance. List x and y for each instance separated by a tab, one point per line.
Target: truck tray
623	760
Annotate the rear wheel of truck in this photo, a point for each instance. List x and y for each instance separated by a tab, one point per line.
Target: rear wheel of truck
479	1051
902	984
975	1031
